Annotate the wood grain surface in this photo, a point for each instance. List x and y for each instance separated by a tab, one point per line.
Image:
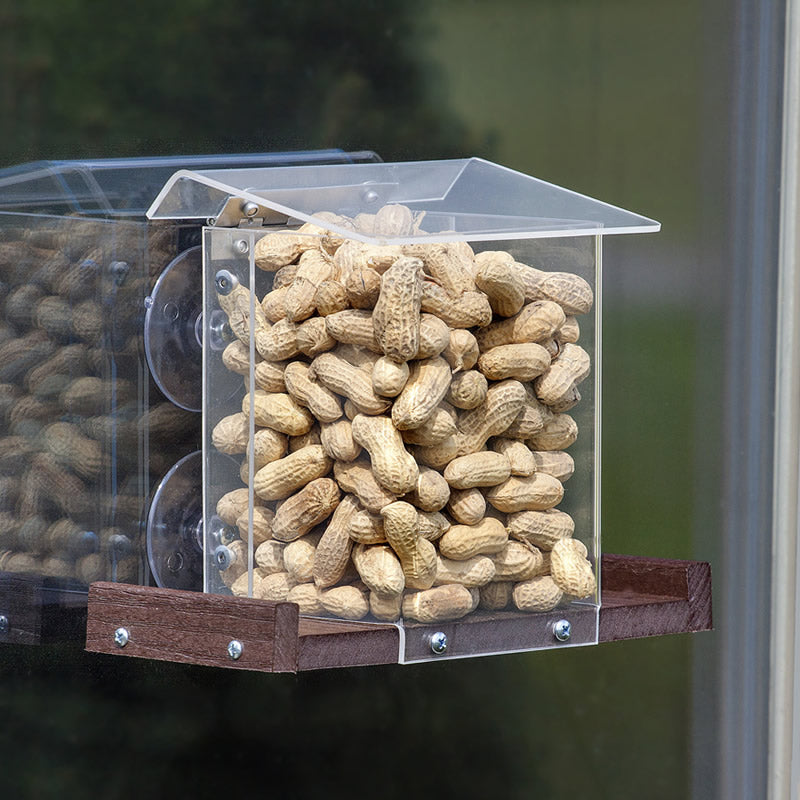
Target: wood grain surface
193	628
641	597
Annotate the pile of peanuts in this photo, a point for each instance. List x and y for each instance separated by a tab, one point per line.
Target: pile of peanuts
411	426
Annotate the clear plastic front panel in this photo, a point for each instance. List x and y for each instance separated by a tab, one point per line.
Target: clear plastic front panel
407	433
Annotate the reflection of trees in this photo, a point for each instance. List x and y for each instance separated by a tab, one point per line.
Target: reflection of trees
84	78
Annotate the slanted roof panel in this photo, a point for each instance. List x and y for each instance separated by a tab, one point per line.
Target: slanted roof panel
461	199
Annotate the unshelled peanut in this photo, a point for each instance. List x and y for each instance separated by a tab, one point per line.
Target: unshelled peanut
417	555
395	317
380	569
467	506
357	477
440	604
486	468
278	479
426	387
570	568
332	552
465	541
302	511
393	466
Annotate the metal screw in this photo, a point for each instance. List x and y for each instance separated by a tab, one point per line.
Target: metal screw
370	196
120	545
235	649
211	222
249	209
218	331
3	623
223	557
438	643
121	637
562	630
225	282
241	246
119	271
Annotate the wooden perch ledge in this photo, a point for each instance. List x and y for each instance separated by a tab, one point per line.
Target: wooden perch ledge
640	597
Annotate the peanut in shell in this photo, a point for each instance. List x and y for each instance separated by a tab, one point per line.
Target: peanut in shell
314	503
357	477
537	594
278	411
486	468
540	528
393	466
417	555
570	568
279	479
537	492
440	604
380	569
426	387
395	317
332	554
465	541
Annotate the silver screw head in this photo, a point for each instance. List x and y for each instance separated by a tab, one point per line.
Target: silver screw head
241	246
235	649
3	623
119	271
438	643
249	209
562	630
223	557
370	196
121	637
225	282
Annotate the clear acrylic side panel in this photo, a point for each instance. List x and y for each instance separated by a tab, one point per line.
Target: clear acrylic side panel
82	430
234	520
460	499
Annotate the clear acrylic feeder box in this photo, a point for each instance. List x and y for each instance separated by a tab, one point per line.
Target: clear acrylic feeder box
101	374
401	396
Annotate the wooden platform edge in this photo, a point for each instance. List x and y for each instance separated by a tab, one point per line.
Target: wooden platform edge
644	597
192	628
641	597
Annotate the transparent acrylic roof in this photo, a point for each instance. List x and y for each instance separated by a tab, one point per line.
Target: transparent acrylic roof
462	199
127	186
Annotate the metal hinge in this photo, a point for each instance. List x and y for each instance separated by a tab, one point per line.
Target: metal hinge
238	213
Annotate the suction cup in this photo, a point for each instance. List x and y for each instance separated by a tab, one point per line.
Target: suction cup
173	332
175	523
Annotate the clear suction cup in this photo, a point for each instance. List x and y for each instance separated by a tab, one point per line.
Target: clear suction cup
173	332
175	525
171	326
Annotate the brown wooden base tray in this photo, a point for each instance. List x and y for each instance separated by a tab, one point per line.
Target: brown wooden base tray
640	597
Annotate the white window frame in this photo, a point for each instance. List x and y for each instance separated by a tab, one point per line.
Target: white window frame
784	696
